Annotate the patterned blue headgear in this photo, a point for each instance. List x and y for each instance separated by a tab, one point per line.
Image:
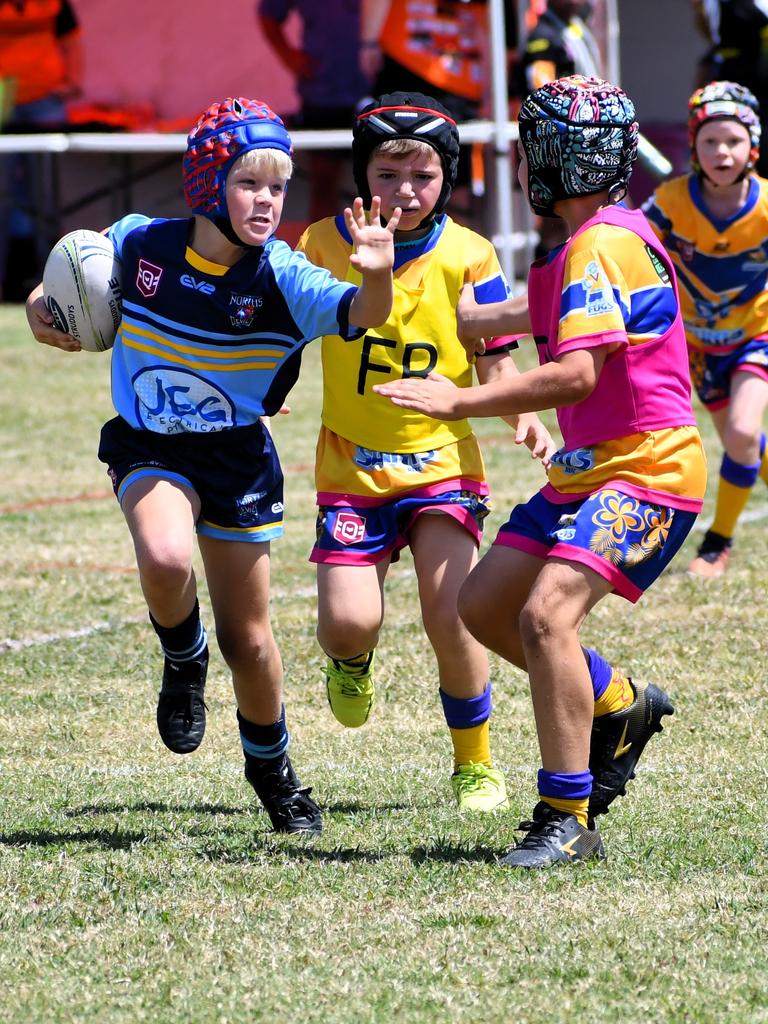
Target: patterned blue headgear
580	137
223	133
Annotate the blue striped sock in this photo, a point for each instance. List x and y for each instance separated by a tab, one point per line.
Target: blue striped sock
184	642
263	742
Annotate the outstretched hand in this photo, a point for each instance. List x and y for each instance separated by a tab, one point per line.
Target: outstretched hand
472	342
434	395
374	245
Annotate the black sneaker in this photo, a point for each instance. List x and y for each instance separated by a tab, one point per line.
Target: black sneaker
289	807
554	837
180	705
712	557
619	739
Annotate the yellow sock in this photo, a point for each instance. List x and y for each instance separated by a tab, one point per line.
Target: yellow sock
473	744
731	501
764	466
617	695
578	808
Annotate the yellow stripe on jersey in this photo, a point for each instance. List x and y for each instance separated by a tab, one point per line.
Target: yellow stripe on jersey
420	334
205	266
198	362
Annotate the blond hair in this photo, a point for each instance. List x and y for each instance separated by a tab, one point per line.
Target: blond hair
268	161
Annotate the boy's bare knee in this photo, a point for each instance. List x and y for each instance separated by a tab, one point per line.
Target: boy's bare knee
344	638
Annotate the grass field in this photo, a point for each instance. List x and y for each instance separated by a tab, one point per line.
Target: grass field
139	886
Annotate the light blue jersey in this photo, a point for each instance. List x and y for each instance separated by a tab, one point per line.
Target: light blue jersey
203	347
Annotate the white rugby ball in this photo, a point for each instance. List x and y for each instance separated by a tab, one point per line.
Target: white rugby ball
82	288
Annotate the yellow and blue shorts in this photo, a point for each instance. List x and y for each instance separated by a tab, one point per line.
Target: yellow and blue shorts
711	374
235	473
366	534
627	541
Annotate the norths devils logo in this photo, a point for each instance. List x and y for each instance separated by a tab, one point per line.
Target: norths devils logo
243	309
349	528
148	278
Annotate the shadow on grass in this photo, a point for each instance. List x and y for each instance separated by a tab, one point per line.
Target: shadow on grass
153	806
454	853
115	840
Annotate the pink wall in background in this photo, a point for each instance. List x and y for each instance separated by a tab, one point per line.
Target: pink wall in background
178	55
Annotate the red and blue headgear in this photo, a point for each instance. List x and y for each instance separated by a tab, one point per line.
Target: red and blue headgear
405	115
579	135
727	101
224	132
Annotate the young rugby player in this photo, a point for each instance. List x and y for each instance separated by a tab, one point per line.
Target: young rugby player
626	487
386	477
216	313
714	224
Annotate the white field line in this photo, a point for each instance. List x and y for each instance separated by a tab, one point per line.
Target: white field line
7	645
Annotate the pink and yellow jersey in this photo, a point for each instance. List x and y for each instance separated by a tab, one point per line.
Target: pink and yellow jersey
636	431
369	447
721	265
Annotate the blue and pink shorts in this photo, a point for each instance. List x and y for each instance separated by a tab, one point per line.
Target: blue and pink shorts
711	374
366	534
627	541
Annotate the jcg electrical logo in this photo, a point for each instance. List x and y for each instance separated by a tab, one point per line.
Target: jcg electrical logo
176	401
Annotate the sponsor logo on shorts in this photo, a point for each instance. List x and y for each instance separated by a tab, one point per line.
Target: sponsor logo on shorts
148	278
566	527
349	528
278	507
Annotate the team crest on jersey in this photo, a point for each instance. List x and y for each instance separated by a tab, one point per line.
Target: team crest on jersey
148	278
349	528
685	249
243	309
598	294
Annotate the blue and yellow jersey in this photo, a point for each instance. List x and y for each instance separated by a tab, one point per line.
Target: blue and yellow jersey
203	347
615	290
419	336
636	430
721	265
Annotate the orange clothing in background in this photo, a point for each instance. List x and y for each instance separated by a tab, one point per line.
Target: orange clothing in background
440	42
30	50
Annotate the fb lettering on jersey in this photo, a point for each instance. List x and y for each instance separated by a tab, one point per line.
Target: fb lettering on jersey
349	528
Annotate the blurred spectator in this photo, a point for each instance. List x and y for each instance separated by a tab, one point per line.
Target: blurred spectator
40	54
737	31
560	44
329	81
437	47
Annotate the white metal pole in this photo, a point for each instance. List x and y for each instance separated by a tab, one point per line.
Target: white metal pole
500	115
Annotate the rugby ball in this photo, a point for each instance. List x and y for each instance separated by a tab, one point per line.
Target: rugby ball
82	289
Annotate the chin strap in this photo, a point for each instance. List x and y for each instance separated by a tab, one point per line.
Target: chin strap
224	224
